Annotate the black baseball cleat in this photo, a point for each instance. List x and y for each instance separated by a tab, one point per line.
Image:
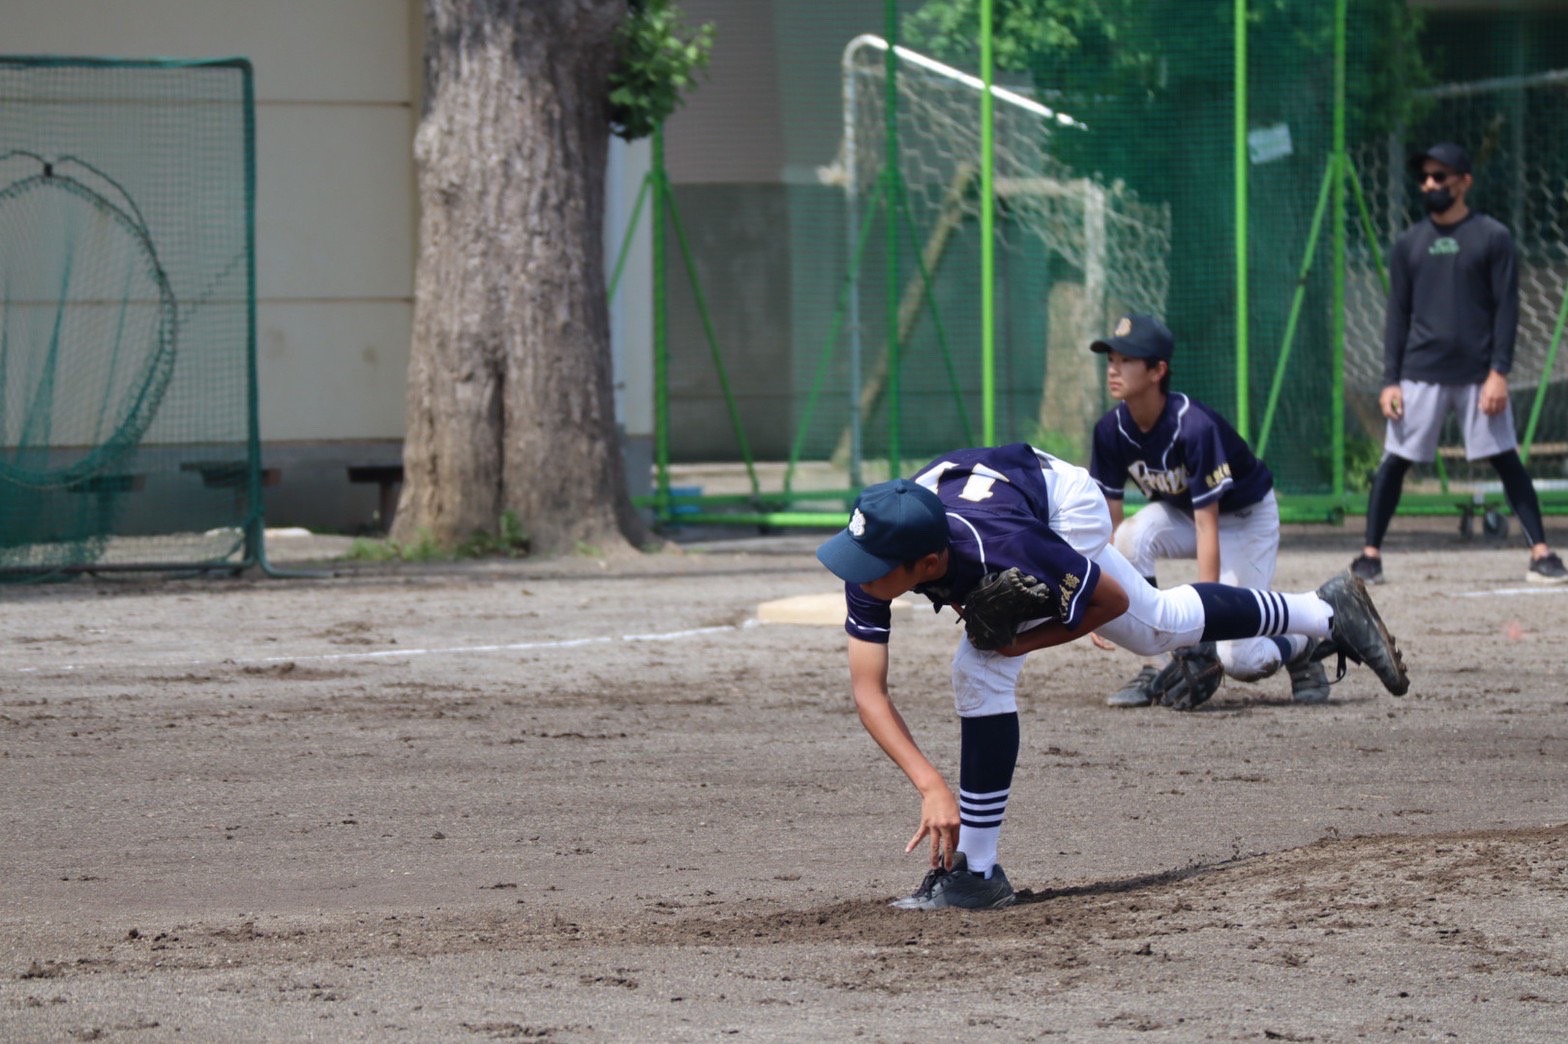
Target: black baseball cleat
958	888
1308	680
1139	692
1357	632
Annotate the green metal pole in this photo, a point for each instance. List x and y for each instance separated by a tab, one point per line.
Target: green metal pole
1239	161
1337	314
626	240
661	353
1297	300
987	235
713	344
892	201
845	298
1368	228
1546	378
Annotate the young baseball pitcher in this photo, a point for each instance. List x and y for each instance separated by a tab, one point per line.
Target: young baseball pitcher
1018	542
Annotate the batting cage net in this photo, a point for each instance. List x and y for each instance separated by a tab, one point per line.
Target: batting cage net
127	399
903	234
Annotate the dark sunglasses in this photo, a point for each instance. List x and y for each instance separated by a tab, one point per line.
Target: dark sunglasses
1439	176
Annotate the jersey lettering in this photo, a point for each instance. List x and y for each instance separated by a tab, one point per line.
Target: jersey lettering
1170	482
978	488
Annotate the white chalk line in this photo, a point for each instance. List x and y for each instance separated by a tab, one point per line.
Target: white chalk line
1542	590
381	654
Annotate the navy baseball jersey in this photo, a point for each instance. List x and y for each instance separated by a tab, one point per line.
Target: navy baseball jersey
998	516
1192	457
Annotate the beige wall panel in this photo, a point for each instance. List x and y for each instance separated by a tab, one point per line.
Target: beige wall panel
334	202
303	50
332	371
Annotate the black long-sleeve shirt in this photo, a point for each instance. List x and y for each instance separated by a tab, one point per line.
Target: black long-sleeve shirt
1453	302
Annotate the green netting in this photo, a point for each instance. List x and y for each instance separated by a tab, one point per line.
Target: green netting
127	407
1236	167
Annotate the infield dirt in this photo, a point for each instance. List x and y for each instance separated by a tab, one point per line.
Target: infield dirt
594	800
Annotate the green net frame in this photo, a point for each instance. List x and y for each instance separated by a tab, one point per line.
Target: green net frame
129	428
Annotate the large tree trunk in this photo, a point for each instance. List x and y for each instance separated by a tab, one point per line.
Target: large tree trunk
510	406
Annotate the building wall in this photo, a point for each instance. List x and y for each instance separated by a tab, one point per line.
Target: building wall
336	87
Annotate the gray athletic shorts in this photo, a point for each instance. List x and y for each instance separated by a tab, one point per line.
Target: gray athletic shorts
1414	436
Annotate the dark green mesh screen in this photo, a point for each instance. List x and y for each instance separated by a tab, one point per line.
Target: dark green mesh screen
126	302
1124	180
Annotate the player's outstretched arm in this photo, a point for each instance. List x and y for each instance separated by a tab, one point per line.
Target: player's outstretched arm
1106	603
938	807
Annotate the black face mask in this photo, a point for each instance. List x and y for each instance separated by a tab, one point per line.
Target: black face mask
1438	200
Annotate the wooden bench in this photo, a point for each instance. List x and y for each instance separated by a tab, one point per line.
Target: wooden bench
388	477
1537	451
109	484
230	474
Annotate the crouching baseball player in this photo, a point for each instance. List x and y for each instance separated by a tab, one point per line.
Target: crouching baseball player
1209	498
1018	542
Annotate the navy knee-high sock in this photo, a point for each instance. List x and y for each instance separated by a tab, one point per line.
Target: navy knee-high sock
1230	613
985	780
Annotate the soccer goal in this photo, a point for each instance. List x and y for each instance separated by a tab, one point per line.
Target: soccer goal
1073	251
128	422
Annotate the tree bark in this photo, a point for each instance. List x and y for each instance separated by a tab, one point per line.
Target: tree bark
510	404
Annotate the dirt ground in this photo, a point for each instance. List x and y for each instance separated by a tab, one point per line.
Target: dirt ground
585	800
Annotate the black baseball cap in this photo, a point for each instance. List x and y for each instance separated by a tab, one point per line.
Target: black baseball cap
1139	337
892	523
1447	153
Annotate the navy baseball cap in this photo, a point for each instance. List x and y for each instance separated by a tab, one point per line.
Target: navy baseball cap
1447	153
1139	337
892	523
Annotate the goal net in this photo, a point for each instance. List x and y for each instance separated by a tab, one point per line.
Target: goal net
1072	252
127	403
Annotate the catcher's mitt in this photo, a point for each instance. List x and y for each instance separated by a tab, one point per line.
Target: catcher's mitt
999	603
1192	676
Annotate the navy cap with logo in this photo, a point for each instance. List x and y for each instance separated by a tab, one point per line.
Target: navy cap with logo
1447	153
892	523
1139	337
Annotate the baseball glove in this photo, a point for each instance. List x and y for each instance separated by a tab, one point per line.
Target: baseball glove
1192	676
999	603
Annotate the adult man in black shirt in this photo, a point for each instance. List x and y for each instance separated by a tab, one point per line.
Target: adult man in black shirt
1448	344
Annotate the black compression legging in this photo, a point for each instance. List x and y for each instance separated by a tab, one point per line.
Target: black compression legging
1517	487
1520	492
1384	498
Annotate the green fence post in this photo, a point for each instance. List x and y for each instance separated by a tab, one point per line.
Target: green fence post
1546	376
1337	322
1239	172
892	201
1297	300
987	235
661	356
